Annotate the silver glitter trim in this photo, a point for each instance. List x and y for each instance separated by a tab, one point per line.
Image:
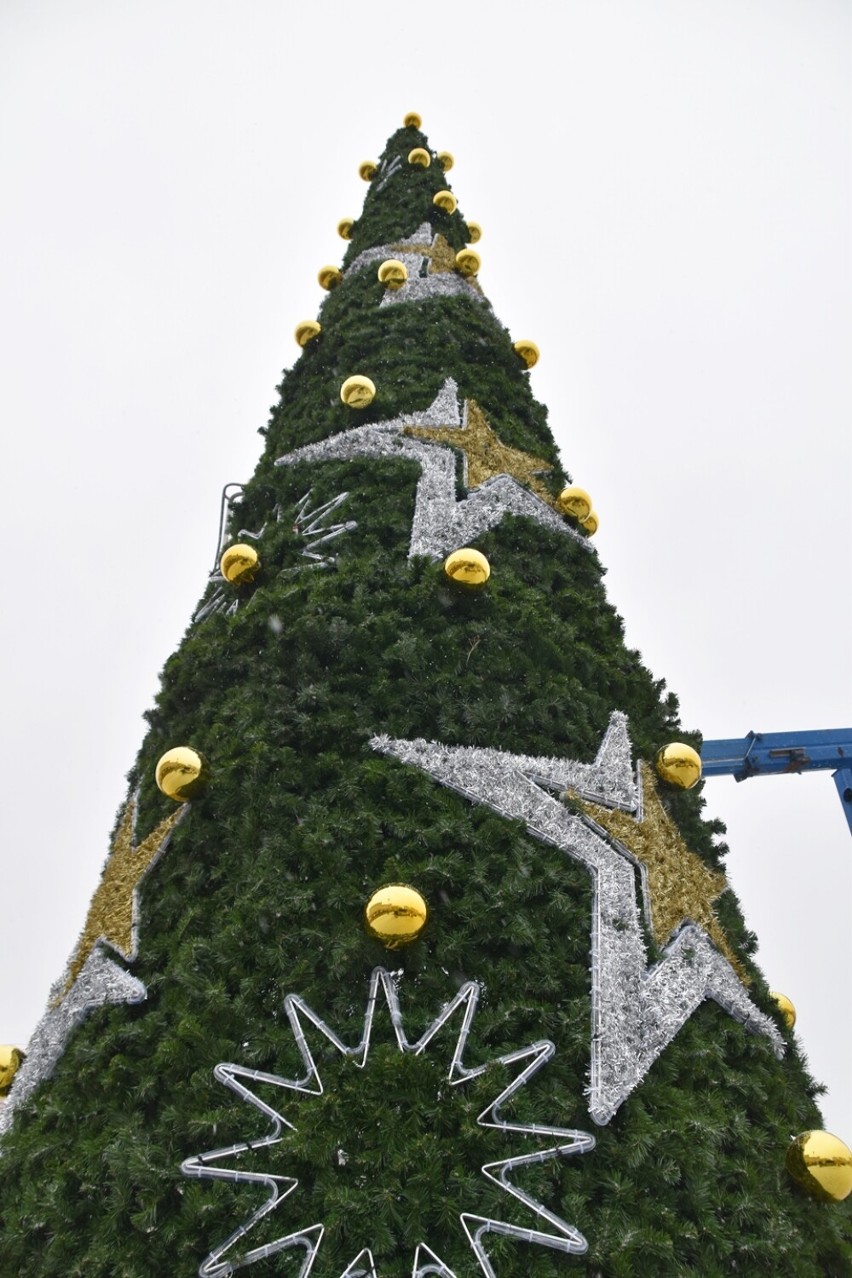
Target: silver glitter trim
101	981
414	251
441	524
420	239
240	1080
419	288
636	1010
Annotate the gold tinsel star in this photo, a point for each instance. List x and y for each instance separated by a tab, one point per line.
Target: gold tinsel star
679	883
485	454
113	913
441	254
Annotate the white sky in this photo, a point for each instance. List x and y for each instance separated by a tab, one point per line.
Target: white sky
664	188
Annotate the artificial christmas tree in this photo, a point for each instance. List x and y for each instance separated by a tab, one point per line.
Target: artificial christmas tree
546	1048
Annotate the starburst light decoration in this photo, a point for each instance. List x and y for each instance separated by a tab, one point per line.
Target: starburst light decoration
553	1232
430	261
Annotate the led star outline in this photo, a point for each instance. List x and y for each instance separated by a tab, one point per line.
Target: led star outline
426	1261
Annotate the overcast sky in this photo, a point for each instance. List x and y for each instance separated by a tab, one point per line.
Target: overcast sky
664	187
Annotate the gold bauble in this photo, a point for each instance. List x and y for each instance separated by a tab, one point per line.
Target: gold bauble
445	159
445	200
467	567
344	227
474	232
785	1007
420	156
679	764
307	331
822	1165
240	564
329	277
395	915
368	169
393	273
468	262
10	1063
576	502
357	391
182	774
528	351
590	523
412	120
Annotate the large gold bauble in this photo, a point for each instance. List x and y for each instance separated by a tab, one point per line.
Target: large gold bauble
329	277
396	915
467	567
393	273
240	564
358	391
344	227
590	523
528	351
575	502
785	1007
368	169
307	331
474	232
679	764
445	200
468	262
182	774
420	156
445	159
822	1165
412	120
10	1062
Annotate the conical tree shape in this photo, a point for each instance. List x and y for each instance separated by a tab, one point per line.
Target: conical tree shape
556	1076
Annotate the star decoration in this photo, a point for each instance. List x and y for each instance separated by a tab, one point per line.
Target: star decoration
441	254
430	261
114	912
681	886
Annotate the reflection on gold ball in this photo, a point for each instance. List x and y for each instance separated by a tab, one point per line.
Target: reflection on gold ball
468	262
785	1007
368	170
395	915
420	156
679	764
240	564
467	567
393	273
329	277
10	1062
182	774
445	200
822	1165
357	391
344	227
590	523
307	331
445	159
528	351
412	120
576	502
474	232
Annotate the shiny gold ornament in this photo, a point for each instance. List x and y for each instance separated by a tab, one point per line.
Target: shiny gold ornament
412	120
590	523
240	564
575	502
344	227
420	156
528	351
445	159
11	1059
307	331
468	262
445	200
679	764
785	1007
368	170
182	774
357	391
467	567
393	273
396	915
822	1165
329	277
474	232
